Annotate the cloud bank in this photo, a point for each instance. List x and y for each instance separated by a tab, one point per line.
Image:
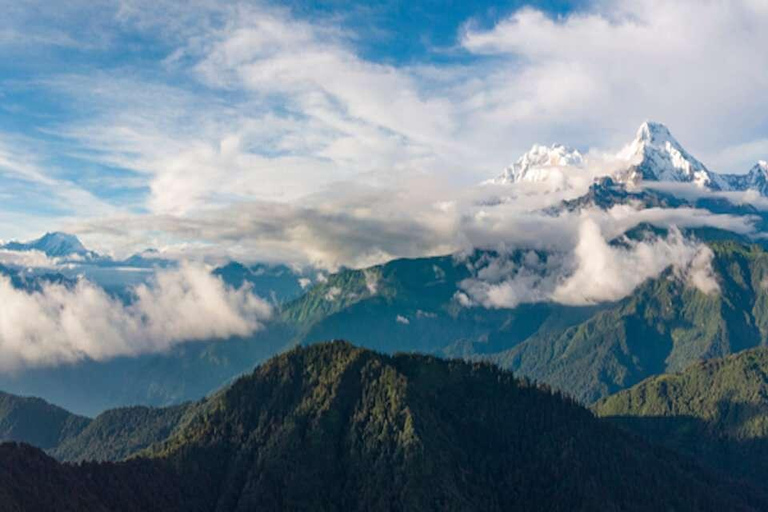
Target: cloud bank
61	324
594	272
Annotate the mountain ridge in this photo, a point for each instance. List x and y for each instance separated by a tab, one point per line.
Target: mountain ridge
653	155
336	427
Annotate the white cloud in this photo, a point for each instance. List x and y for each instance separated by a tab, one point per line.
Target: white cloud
595	271
604	273
284	142
27	259
62	324
593	72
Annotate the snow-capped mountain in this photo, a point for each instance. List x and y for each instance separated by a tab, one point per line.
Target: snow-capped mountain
653	155
54	245
756	179
540	163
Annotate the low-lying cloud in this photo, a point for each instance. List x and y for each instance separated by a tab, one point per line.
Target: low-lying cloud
596	271
64	324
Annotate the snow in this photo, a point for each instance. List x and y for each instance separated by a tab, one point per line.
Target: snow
653	155
541	163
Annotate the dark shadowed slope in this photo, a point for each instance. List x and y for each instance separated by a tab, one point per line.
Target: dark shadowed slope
37	422
335	427
716	411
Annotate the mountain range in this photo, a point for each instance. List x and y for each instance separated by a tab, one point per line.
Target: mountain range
590	350
335	427
653	156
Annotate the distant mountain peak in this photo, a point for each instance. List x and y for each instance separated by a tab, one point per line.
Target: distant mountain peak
54	244
536	164
655	155
652	132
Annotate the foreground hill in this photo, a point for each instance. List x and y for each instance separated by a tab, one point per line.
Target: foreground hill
334	427
716	411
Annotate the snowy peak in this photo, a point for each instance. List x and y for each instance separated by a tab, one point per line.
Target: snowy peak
756	179
54	245
538	163
760	169
651	132
656	155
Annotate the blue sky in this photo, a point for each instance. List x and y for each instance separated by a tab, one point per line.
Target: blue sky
166	117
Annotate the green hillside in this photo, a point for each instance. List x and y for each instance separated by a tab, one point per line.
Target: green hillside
409	305
37	422
716	411
335	427
119	433
664	326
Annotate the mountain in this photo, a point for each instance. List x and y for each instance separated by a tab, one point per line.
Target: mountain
54	245
411	305
30	480
113	435
277	283
654	155
716	411
540	163
335	427
37	422
663	326
756	179
118	433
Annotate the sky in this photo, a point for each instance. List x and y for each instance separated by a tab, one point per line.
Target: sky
330	134
339	133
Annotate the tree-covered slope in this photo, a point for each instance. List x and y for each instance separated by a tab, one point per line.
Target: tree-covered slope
716	411
410	305
113	435
31	481
335	427
35	421
664	326
118	433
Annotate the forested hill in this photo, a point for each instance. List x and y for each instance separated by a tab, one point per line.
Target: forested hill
716	411
335	427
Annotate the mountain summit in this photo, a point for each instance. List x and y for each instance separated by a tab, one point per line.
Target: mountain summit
537	164
53	245
654	155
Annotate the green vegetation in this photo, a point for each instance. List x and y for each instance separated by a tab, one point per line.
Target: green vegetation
118	433
335	427
37	422
716	411
664	326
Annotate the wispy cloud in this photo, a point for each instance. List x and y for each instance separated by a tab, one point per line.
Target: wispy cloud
245	119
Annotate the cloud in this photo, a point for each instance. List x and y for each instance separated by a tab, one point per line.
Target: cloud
595	271
61	324
593	70
259	134
27	259
604	273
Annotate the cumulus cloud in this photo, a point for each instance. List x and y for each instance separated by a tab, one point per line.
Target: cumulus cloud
61	324
596	271
605	273
27	259
286	143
